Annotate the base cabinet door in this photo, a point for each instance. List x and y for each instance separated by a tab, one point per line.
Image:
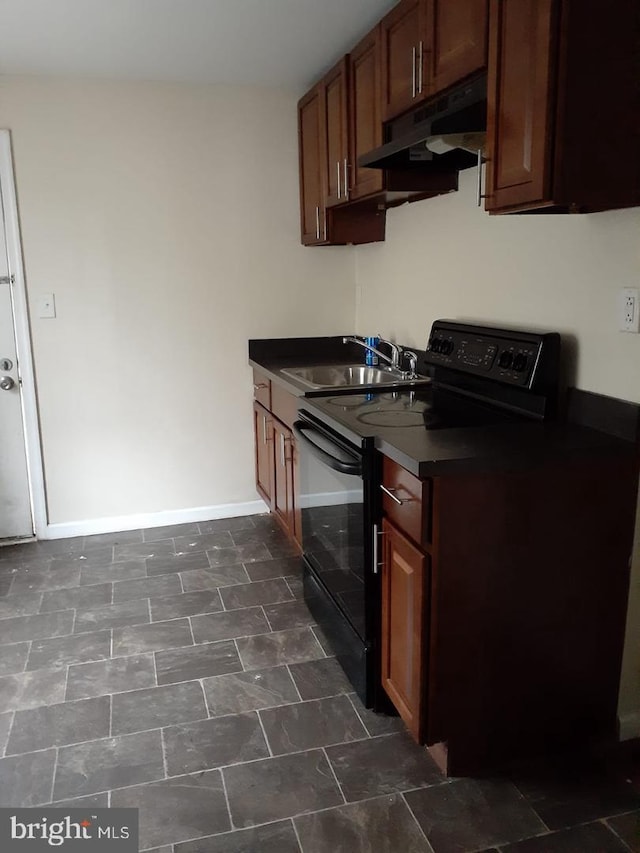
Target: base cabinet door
264	461
404	625
282	498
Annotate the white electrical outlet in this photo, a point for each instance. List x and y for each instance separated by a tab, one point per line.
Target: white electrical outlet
629	310
47	306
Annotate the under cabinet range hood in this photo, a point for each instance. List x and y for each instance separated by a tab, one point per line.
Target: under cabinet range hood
442	135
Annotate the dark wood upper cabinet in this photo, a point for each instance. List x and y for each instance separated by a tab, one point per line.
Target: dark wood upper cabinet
325	170
366	119
405	40
550	63
337	133
459	42
428	46
312	192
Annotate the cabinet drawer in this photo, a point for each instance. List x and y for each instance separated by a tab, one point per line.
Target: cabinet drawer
284	405
262	389
408	505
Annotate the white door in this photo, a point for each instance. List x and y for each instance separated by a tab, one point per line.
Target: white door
16	518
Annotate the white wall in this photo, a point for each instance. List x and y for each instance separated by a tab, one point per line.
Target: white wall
165	220
446	258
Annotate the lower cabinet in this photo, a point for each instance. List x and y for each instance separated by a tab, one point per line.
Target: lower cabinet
405	587
276	454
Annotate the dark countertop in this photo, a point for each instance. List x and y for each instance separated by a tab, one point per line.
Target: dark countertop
595	425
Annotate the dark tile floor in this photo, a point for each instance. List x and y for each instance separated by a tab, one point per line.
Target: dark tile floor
178	670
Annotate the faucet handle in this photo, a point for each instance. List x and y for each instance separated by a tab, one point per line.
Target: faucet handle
413	362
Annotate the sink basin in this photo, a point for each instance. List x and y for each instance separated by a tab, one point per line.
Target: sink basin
340	375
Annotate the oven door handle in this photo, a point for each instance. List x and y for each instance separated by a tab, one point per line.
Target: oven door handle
301	428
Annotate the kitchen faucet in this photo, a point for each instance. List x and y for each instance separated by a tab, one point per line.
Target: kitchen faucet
396	351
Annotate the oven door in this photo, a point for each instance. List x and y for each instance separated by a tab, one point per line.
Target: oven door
341	586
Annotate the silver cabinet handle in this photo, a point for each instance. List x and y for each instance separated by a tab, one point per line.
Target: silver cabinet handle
338	171
264	429
346	179
376	563
420	51
413	78
317	222
324	214
259	386
392	496
282	460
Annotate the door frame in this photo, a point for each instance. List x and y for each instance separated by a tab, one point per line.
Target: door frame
26	371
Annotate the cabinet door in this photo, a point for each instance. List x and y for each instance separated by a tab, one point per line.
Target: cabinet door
459	42
337	133
263	432
404	625
366	121
404	44
312	175
519	126
282	499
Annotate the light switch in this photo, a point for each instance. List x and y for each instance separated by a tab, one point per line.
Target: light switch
47	306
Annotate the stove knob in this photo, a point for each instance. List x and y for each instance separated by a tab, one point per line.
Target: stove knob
519	362
505	360
448	347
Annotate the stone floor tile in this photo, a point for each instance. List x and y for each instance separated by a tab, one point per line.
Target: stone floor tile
200	579
6	720
249	691
289	614
63	651
58	725
39	626
218	525
25	780
297	590
93	801
154	707
151	638
382	765
93	595
44	579
144	550
201	661
25	604
13	658
278	568
281	647
170	531
185	604
305	725
123	571
115	762
254	593
240	554
110	676
180	562
318	678
112	616
277	837
203	542
627	827
146	588
383	825
469	814
296	784
590	838
122	537
177	809
228	625
31	689
214	743
374	723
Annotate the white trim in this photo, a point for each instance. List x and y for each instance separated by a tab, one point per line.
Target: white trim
23	335
629	726
90	526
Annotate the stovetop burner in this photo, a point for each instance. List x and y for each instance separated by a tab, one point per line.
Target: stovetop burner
393	418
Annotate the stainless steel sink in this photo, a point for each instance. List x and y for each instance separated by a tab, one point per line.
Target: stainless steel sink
341	375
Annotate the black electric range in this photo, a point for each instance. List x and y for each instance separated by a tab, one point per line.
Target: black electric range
486	384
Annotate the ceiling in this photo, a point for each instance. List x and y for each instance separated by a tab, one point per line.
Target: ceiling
284	43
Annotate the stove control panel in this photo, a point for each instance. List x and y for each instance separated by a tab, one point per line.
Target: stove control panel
506	356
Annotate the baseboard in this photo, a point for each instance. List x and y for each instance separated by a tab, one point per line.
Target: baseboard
629	725
91	526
